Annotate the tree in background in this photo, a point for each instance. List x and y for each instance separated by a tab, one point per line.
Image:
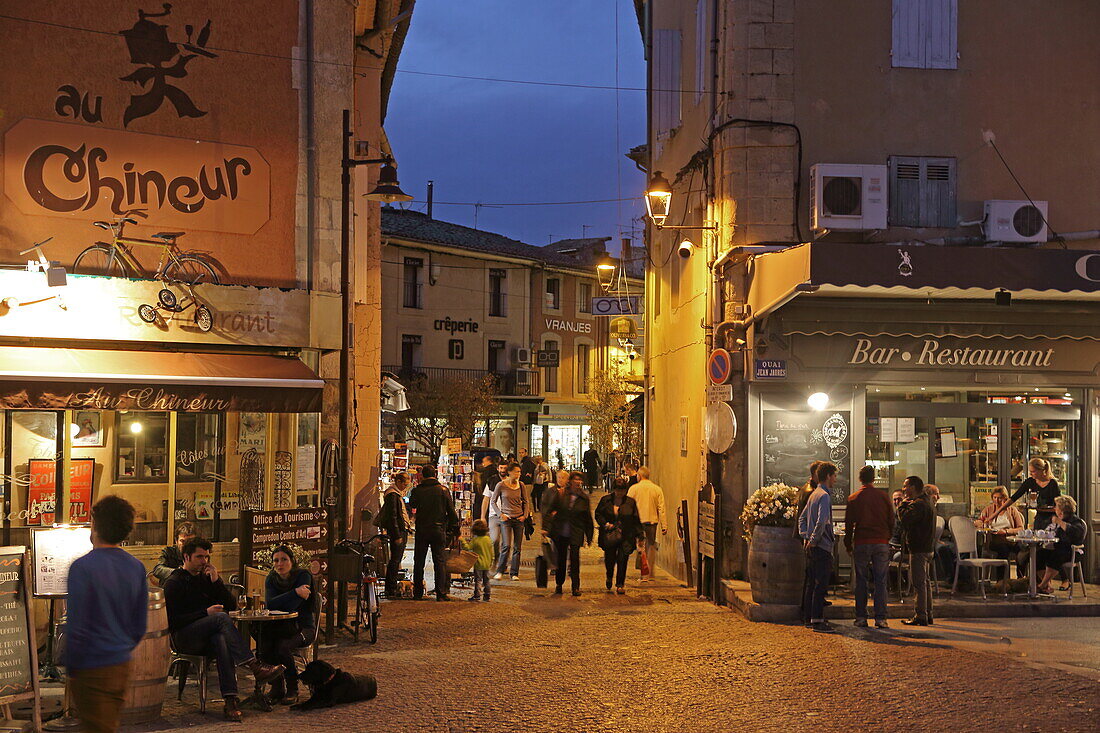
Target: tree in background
447	407
608	411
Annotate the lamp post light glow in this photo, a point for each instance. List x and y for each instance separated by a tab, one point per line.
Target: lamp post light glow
605	271
388	189
818	401
658	199
135	427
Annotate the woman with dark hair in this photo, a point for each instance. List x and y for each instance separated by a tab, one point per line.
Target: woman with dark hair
570	516
620	527
288	588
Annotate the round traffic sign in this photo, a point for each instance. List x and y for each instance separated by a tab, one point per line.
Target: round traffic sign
719	366
721	427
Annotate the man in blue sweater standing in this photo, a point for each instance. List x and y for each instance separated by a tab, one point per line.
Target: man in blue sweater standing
815	525
107	605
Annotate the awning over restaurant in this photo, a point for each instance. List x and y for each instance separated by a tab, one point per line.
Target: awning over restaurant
96	379
922	272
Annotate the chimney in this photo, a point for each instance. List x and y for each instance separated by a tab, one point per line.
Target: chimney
431	190
626	255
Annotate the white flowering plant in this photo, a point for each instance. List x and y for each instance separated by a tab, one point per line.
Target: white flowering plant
774	505
301	556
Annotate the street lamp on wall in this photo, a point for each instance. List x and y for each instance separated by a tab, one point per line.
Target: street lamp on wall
658	203
605	271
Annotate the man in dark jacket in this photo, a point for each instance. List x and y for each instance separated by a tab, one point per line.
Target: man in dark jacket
197	601
592	466
171	557
489	478
918	520
526	468
571	526
436	525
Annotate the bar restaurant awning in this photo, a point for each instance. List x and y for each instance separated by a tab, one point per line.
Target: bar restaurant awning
96	379
1066	279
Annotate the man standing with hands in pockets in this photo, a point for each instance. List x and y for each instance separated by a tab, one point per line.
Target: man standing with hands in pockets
197	602
816	527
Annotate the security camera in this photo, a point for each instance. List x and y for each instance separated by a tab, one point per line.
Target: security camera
685	249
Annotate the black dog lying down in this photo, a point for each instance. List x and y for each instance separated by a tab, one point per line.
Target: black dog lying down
331	686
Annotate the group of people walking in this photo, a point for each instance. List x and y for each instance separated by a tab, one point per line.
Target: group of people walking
878	530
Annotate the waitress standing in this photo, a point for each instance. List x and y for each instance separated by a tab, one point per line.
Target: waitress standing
1040	482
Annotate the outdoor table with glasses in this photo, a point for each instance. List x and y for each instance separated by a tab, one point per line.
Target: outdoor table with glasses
244	619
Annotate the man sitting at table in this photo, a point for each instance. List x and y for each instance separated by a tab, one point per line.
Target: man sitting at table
197	602
171	557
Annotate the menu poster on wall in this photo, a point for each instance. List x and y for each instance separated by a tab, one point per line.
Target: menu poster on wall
888	430
793	440
907	429
43	490
305	469
946	445
54	550
252	432
18	651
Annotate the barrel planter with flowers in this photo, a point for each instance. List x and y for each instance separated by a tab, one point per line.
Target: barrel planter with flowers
776	560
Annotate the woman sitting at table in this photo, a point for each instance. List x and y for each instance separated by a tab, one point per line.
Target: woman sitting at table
1069	530
288	588
1000	524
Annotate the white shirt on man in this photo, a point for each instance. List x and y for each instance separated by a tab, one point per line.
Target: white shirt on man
651	502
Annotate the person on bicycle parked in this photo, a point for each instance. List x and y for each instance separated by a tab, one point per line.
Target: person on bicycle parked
287	588
436	524
393	518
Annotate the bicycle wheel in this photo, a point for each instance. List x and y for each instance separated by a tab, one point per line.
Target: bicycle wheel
191	269
99	259
203	319
371	613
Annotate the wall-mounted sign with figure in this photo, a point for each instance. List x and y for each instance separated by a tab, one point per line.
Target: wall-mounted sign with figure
139	104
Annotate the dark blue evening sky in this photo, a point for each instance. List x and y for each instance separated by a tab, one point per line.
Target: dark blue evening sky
493	142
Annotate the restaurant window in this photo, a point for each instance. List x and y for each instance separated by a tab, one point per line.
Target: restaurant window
141	447
413	295
198	443
550	373
410	352
497	294
553	293
584	298
584	367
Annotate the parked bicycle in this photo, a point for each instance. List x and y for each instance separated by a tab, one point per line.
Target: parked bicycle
118	258
368	608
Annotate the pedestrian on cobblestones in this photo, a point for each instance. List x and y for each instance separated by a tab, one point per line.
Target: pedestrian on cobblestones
803	497
510	498
436	523
868	524
816	527
481	546
617	518
571	527
393	518
651	510
918	520
490	511
542	481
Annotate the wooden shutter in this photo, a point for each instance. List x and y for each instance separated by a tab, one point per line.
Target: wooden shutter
925	34
905	180
942	34
702	47
666	81
922	192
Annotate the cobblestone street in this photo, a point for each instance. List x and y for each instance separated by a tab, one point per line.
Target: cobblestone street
659	660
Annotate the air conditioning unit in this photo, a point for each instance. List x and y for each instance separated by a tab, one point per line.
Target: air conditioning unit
848	197
1016	221
521	355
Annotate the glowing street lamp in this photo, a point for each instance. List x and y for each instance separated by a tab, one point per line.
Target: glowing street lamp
658	199
605	271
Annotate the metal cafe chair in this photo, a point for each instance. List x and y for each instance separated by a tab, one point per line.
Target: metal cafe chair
183	663
1074	566
966	540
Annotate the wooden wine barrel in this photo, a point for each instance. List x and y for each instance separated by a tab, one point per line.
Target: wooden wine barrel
149	666
776	566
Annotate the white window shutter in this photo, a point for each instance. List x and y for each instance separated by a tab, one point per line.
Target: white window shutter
702	47
943	51
666	81
906	51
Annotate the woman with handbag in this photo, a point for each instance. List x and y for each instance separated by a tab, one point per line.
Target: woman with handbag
620	527
570	515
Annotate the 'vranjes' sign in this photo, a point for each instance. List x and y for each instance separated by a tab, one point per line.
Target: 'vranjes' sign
62	169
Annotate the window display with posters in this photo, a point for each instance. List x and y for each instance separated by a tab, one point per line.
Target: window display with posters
43	490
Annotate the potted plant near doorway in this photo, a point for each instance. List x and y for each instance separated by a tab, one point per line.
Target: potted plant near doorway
776	560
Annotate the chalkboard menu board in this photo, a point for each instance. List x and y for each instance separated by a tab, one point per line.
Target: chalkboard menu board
793	440
18	651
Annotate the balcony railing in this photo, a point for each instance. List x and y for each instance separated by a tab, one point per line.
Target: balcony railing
514	383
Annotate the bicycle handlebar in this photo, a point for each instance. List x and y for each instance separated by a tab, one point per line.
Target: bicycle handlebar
33	247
